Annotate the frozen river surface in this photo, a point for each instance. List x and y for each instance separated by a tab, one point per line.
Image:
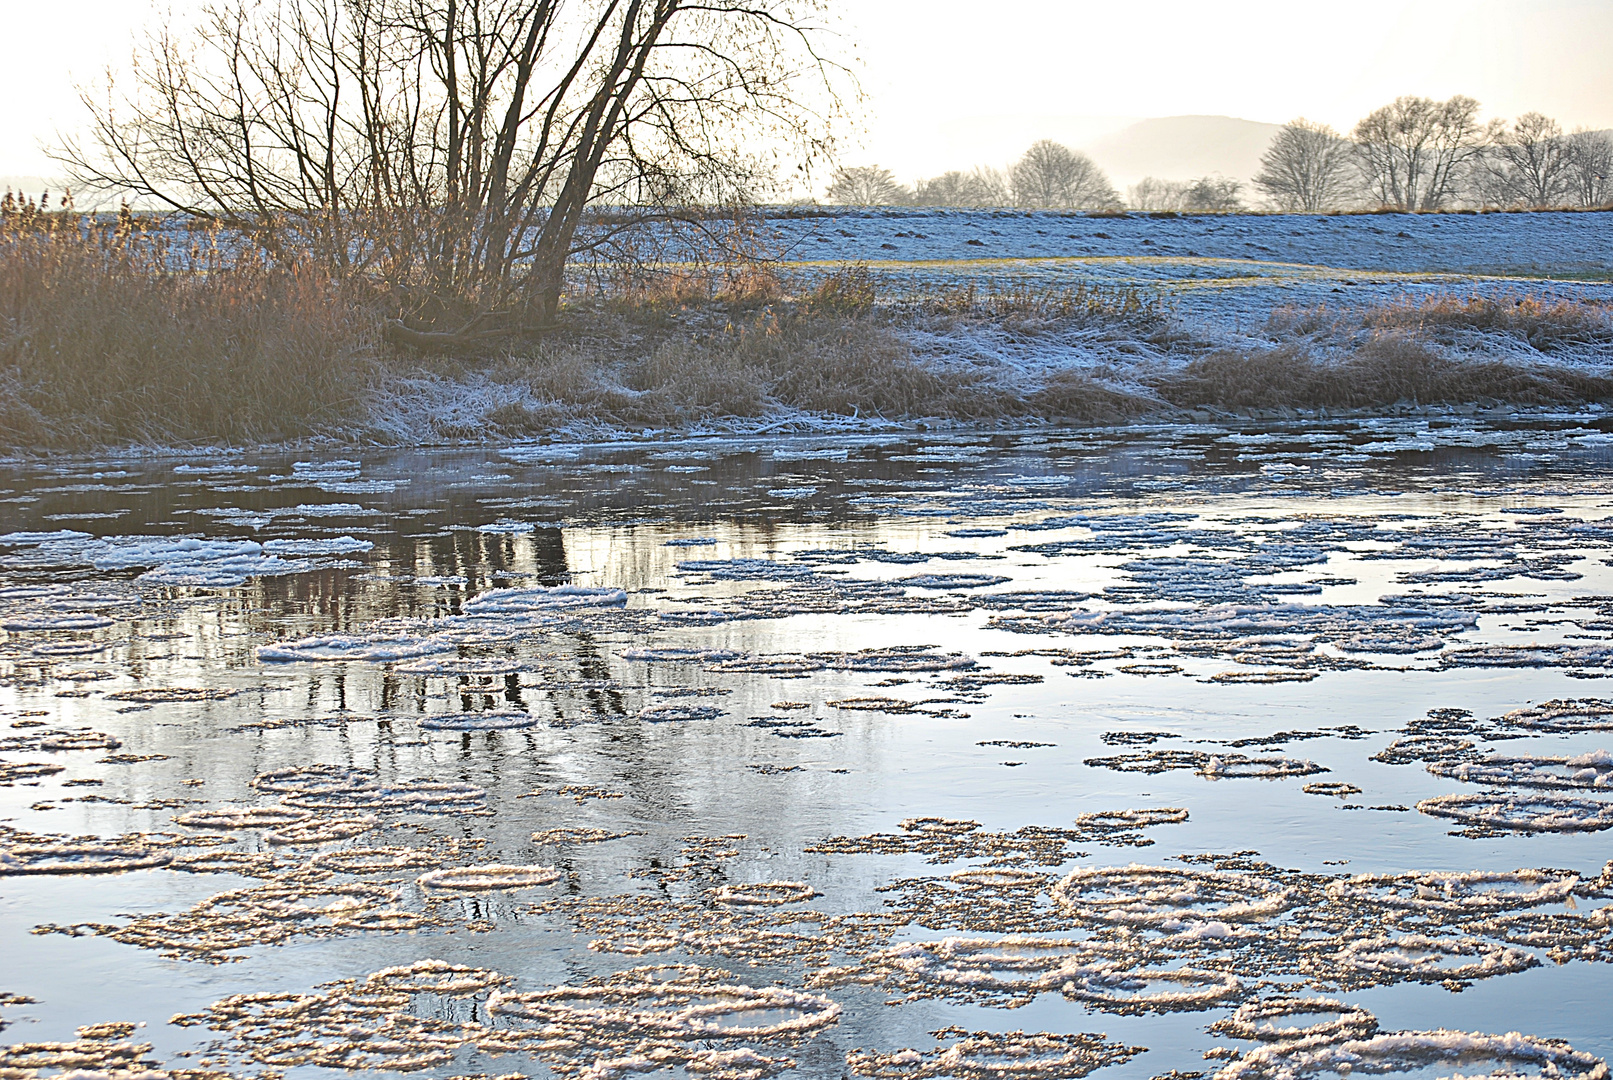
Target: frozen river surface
1164	752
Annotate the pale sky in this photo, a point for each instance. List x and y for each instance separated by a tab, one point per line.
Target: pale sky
951	84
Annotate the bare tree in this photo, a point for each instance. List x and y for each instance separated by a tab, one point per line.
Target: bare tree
1207	193
981	186
1051	176
1307	167
455	146
1152	193
1590	168
1213	193
1414	153
867	185
1529	164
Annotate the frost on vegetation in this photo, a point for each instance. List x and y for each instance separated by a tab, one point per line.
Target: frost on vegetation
488	877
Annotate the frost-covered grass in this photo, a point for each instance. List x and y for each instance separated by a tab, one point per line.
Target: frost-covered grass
856	319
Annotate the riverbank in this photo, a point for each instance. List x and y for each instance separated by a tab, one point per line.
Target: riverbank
107	347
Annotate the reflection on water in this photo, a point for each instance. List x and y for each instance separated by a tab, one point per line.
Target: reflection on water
905	756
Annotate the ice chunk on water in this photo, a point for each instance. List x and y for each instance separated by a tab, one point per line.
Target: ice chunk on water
30	539
340	545
540	598
353	647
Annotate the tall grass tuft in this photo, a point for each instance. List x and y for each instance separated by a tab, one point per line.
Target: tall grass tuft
1388	370
1545	322
115	331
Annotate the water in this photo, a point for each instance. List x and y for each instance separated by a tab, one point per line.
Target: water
722	755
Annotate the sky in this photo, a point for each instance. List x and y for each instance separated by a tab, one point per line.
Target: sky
950	84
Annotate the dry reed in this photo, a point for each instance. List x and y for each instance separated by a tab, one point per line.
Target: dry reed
112	332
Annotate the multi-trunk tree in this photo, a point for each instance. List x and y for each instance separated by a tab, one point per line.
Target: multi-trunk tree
455	147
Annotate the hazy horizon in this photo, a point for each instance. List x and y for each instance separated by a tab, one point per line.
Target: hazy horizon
945	91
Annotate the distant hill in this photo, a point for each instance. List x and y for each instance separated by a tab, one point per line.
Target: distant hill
1183	148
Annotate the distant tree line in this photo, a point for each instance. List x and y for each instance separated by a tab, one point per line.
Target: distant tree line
1420	154
1049	176
1413	154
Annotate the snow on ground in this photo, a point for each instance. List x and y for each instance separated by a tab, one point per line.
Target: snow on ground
1220	277
1538	243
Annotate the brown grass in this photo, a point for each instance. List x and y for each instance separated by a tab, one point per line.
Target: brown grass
1545	322
847	365
115	332
1386	371
1078	396
111	334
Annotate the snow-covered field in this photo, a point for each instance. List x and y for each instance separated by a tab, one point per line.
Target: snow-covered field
1543	244
1222	273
